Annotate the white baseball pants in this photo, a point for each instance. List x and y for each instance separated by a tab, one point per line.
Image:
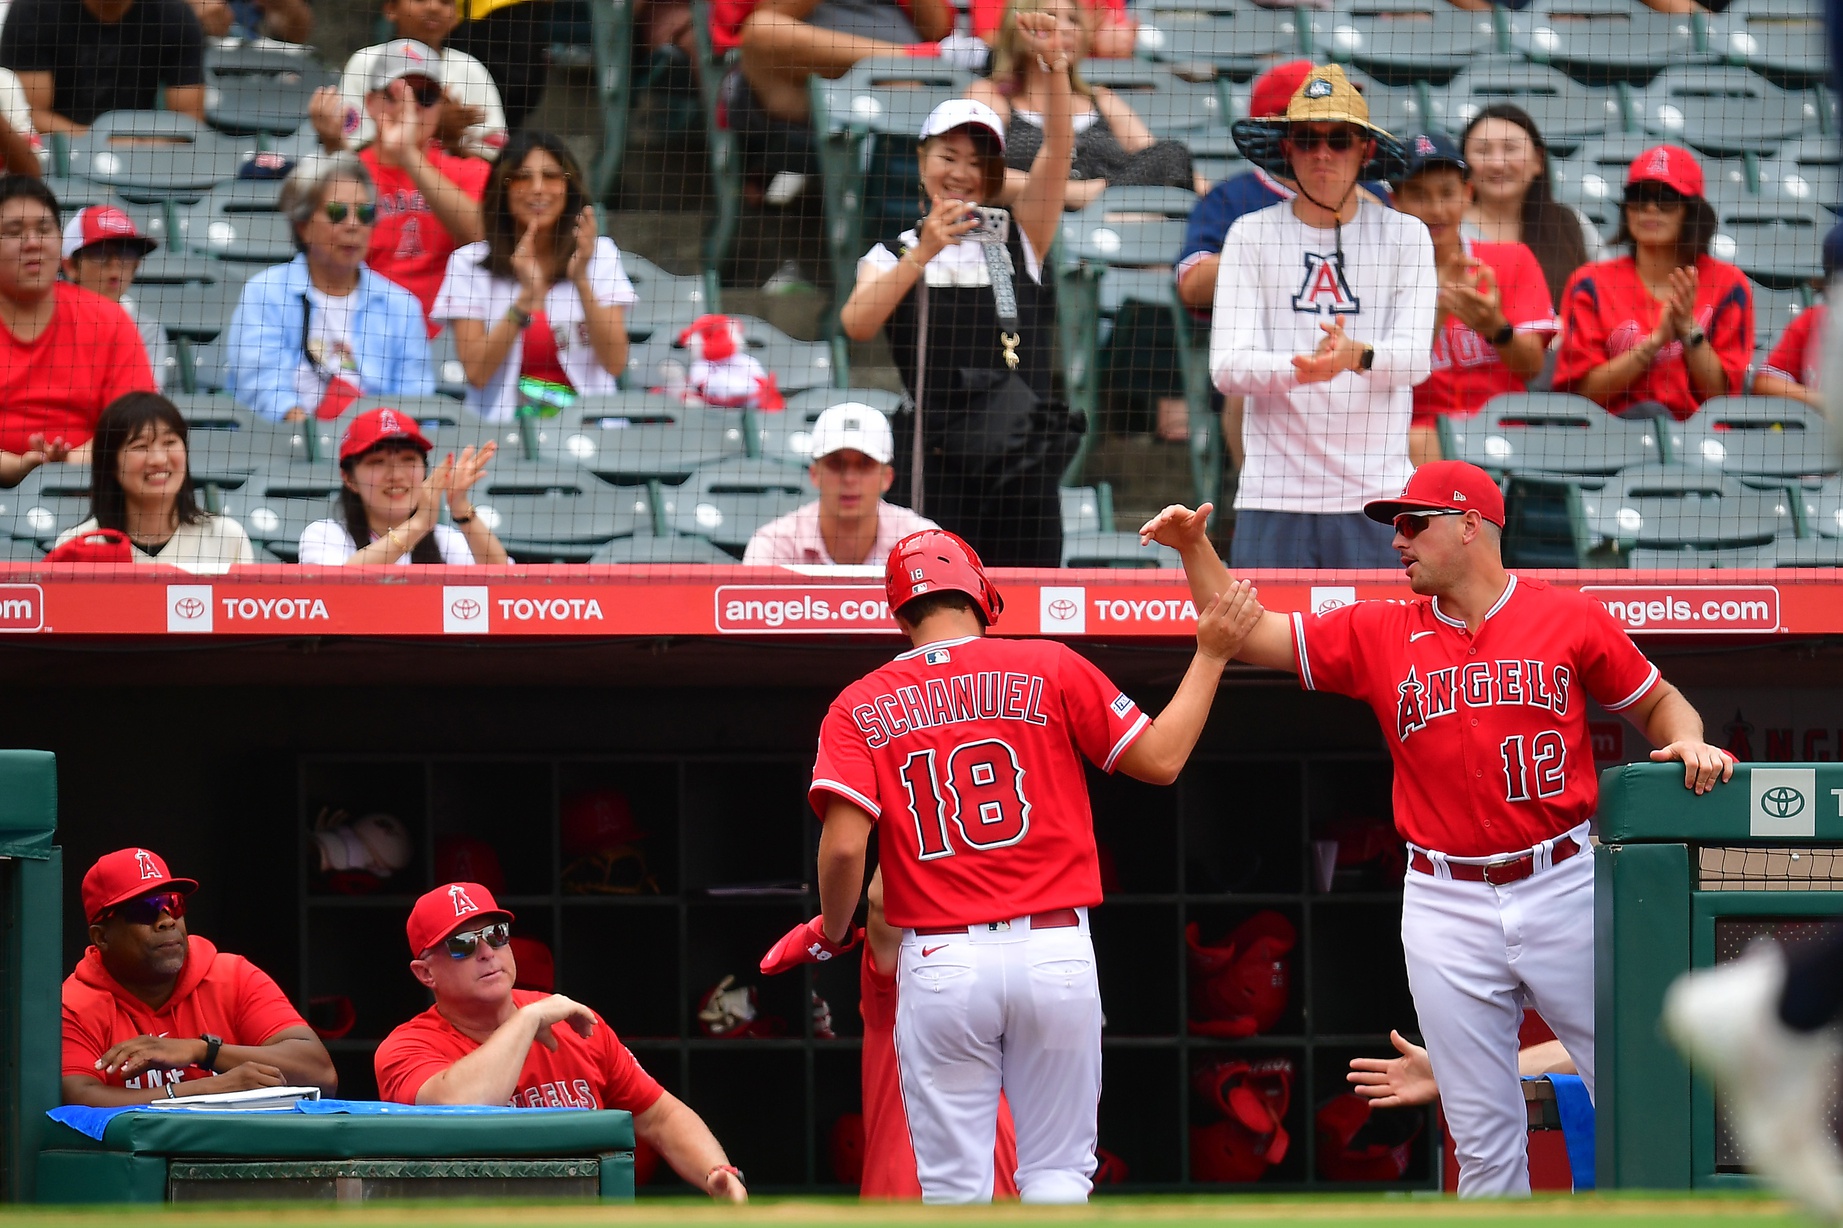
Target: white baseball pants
1001	1006
1477	955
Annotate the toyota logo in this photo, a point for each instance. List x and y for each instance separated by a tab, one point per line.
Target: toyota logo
1062	609
1329	604
465	609
1782	802
192	607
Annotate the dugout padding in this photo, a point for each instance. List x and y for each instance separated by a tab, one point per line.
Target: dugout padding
31	875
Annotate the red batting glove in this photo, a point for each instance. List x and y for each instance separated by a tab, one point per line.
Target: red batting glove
804	944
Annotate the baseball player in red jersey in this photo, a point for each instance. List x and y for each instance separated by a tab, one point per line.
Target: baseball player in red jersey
889	1156
1481	691
965	753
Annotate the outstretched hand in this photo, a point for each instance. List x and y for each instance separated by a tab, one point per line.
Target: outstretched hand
1395	1082
1177	527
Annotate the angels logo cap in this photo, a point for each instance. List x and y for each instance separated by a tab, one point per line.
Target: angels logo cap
127	874
1667	164
448	909
377	426
1430	149
1441	486
964	113
102	224
405	57
851	425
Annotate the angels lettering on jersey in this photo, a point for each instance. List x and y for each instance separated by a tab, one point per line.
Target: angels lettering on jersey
1479	684
1630	333
1324	291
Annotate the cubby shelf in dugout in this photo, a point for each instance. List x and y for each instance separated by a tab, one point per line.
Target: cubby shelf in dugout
1233	837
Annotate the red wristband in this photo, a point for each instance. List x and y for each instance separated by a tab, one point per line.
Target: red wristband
923	51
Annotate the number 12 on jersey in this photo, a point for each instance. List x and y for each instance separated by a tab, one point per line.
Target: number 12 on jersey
1546	762
977	789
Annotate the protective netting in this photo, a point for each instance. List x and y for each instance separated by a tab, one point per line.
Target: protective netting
1769	869
1264	256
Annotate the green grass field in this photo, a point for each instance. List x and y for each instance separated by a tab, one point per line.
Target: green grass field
1244	1211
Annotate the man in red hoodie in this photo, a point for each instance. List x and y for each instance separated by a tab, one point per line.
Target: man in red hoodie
153	1013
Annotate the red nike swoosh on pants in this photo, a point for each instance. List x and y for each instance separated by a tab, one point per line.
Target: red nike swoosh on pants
927	951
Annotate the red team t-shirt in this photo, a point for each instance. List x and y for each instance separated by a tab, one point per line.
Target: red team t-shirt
1488	733
58	383
1606	310
889	1155
1799	356
225	995
1467	370
409	245
968	754
592	1072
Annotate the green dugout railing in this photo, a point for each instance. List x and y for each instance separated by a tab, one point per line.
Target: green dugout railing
31	912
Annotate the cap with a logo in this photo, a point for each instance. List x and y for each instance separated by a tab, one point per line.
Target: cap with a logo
1426	150
964	113
449	909
854	426
405	57
102	224
1440	486
128	874
1671	165
377	426
1325	96
1274	88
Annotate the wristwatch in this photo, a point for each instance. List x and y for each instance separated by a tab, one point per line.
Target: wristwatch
1693	338
212	1045
1369	358
1502	336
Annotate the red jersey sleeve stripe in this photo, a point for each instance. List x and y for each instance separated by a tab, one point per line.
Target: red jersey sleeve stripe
848	793
1126	740
1651	680
1305	664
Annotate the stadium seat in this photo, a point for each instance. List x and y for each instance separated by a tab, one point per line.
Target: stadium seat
1110	549
1549	433
253	90
1234	37
192	298
1566	112
1744	558
1782	40
1776	240
16	550
1601	41
1809	168
725	502
545	513
156	155
1552	522
238	221
672	299
631	437
279	503
1171	106
47	501
1820	511
1757	439
1402	109
223	436
1808	552
1722	111
655	548
1087	509
1400	42
1773	313
450	375
75	194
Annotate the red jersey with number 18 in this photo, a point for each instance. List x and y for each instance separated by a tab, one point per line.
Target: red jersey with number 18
968	755
1489	731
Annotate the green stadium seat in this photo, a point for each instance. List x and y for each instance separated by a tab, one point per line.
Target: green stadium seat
1171	106
1119	550
254	90
222	435
1773	313
1776	241
550	513
75	194
656	549
1723	111
1553	522
1566	112
1808	552
1820	511
49	500
1769	440
278	504
629	438
238	222
192	298
1087	509
1782	40
1598	42
1232	36
725	502
1745	558
1550	433
16	550
1399	42
156	155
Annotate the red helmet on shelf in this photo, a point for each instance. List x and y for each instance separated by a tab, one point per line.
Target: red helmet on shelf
595	820
464	859
932	561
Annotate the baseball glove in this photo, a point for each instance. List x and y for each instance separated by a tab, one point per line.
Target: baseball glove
731	1011
620	870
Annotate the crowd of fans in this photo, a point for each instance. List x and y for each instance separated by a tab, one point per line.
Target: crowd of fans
1356	285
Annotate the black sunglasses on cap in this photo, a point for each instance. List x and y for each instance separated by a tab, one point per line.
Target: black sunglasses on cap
146	909
463	945
1660	194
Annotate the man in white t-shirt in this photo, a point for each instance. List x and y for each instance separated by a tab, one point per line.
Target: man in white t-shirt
849	522
1324	320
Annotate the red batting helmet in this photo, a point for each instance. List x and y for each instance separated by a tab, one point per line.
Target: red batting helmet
1240	987
537	968
1356	1143
463	859
1251	1137
932	561
595	820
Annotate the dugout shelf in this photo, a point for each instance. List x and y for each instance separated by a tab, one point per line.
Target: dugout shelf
1685	882
161	1156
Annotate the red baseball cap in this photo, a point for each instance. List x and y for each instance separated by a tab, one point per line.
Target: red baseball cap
448	909
377	426
128	874
1667	164
1275	88
102	224
1440	486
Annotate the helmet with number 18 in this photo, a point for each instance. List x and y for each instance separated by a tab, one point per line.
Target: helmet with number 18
932	561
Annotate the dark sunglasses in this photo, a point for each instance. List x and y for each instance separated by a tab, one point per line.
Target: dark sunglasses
147	909
1413	524
462	946
1661	195
336	211
1305	140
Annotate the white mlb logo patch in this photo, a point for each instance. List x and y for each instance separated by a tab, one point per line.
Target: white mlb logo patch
1121	705
937	656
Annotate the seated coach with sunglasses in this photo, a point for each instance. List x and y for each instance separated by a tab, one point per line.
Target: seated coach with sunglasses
155	1013
311	336
1669	326
484	1042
